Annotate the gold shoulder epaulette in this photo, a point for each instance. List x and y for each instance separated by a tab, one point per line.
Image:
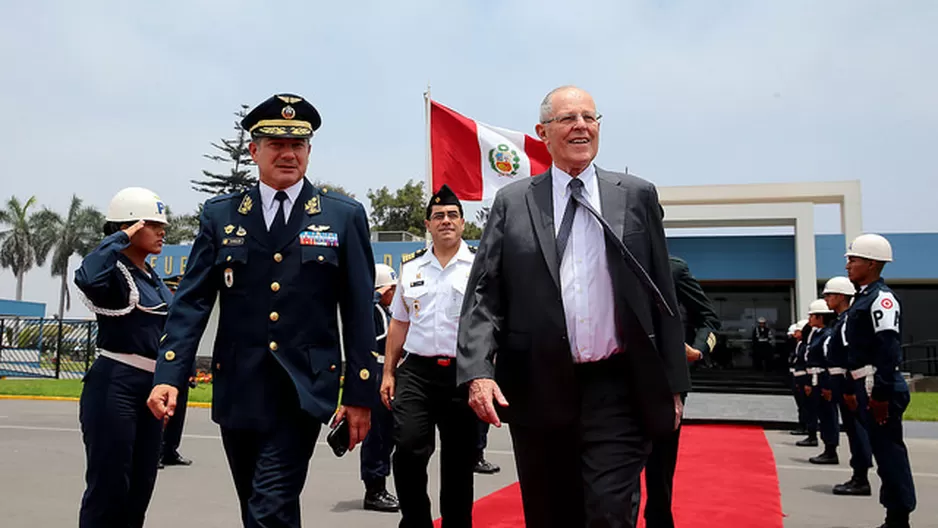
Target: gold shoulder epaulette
411	256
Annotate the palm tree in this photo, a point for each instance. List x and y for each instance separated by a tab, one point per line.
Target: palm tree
78	233
18	250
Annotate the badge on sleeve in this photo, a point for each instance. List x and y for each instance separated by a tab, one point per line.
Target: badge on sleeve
885	312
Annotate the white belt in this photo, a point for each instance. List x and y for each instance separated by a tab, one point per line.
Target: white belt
814	370
799	373
791	370
863	372
133	360
837	371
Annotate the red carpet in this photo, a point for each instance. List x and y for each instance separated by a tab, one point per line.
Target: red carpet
725	477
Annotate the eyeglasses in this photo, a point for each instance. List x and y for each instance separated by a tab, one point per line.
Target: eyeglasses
438	217
571	119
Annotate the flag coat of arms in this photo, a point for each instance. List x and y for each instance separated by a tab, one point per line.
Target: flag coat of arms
475	159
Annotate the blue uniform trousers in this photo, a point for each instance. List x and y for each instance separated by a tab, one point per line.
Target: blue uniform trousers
270	467
798	392
897	492
827	412
378	445
809	403
122	445
861	454
172	433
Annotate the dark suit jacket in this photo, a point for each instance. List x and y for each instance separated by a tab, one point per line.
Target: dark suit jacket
513	328
257	274
700	320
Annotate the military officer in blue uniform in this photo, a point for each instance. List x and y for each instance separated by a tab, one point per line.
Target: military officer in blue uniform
839	293
821	318
802	384
794	333
283	259
130	302
872	334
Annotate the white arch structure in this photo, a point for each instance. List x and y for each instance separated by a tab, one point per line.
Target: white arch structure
769	204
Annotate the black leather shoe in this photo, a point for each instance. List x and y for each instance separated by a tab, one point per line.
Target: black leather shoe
175	459
853	487
159	465
825	458
381	501
807	442
801	431
485	467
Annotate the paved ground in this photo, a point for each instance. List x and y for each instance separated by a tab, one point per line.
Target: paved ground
41	465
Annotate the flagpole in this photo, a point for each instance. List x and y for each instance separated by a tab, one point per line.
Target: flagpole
428	187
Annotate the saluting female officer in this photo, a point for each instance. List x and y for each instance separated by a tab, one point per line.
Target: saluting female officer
130	302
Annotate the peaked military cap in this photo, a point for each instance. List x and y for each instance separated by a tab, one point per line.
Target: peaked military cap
282	116
443	196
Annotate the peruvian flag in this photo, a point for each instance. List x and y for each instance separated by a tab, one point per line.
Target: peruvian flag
476	160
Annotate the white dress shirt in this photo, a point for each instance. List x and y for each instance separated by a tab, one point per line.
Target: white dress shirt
270	205
585	283
429	297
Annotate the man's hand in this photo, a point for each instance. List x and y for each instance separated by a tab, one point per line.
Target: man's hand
827	394
387	389
851	401
807	390
692	353
880	411
482	392
132	229
162	401
359	422
678	411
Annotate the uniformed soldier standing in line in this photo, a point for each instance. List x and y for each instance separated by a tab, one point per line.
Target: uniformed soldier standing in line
761	345
794	333
839	292
376	449
803	385
283	258
873	357
822	318
700	322
422	391
122	438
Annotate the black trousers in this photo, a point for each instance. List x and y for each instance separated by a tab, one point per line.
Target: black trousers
810	405
798	392
375	465
861	454
122	445
584	474
426	397
828	415
897	492
269	468
482	440
659	482
172	433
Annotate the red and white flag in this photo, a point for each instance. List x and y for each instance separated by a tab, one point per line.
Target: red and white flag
476	160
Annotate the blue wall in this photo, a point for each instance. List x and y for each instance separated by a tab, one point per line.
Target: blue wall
22	308
724	258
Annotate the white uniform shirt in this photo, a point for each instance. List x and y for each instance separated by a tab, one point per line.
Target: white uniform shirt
270	205
585	283
429	297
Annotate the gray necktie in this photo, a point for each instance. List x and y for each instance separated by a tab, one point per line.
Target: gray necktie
566	224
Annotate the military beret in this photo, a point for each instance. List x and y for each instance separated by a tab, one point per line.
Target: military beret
282	116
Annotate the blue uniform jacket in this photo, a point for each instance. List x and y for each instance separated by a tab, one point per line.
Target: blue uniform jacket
136	319
277	343
873	338
814	356
836	352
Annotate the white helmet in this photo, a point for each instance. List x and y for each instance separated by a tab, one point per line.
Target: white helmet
136	203
870	246
384	276
793	328
819	306
841	285
802	323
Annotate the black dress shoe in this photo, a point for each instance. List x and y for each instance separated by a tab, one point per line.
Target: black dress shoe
485	467
854	487
807	442
175	459
801	431
825	458
159	465
381	501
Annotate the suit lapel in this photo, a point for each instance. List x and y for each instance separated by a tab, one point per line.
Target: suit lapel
540	199
298	217
612	199
251	216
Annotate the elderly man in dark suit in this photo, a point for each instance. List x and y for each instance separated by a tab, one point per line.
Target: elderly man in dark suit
569	329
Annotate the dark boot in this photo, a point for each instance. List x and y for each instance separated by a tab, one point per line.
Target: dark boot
810	441
377	498
857	486
896	519
485	467
174	459
800	431
829	456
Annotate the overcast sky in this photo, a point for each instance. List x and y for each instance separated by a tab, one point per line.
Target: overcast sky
96	96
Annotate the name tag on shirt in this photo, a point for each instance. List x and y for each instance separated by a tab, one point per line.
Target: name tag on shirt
313	238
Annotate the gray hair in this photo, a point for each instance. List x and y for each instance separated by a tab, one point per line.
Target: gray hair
547	106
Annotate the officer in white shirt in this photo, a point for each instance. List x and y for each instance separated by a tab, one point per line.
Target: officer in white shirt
421	391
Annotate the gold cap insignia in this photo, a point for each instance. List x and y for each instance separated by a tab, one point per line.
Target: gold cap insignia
289	100
288	112
228	229
437	199
312	206
241	231
246	204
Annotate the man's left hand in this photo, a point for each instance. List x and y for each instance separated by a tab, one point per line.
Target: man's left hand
880	411
678	411
359	422
692	353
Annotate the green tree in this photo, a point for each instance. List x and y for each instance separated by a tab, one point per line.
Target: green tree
234	152
404	210
181	229
472	232
77	233
18	250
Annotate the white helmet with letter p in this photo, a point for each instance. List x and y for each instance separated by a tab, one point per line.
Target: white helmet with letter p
384	276
136	203
871	247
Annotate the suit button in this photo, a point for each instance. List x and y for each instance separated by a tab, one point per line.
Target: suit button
275	286
273	346
217	366
274	316
278	257
364	374
321	258
169	355
228	258
325	190
331	368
